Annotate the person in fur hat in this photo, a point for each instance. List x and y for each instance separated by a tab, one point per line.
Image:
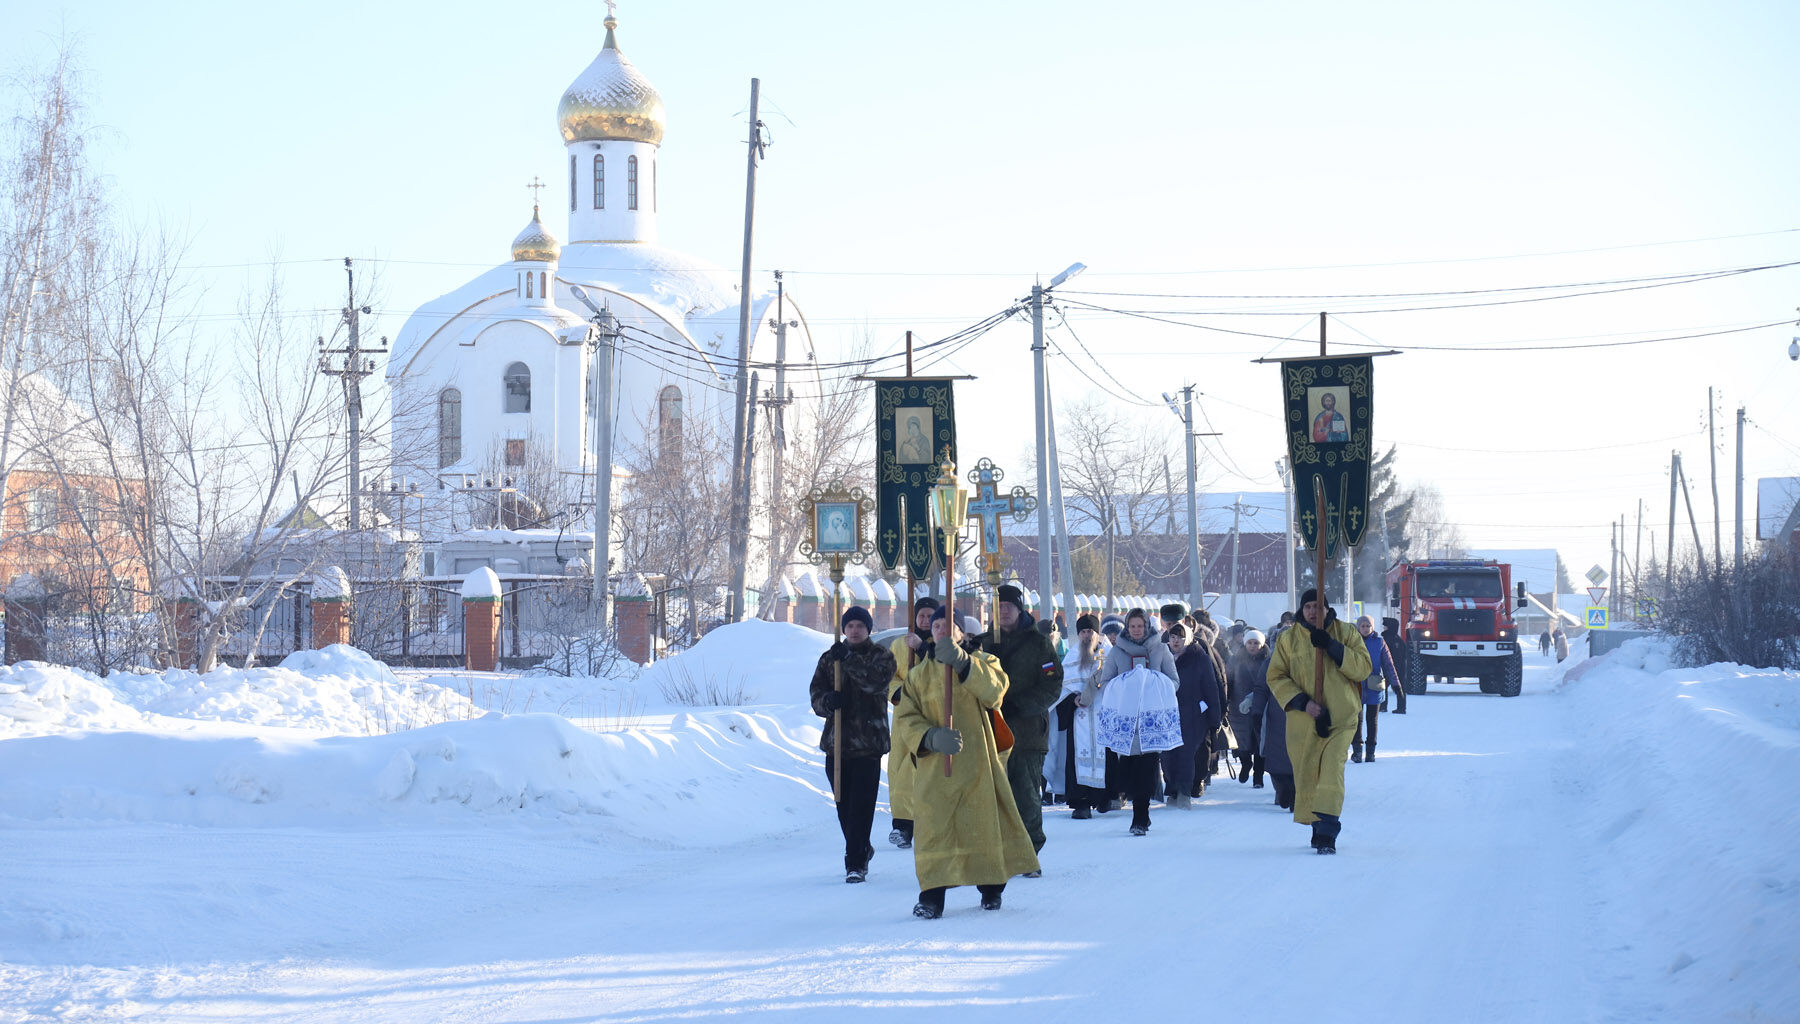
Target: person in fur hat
866	671
1319	733
1034	677
908	651
966	826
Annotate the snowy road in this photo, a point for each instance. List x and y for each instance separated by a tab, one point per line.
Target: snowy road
1481	877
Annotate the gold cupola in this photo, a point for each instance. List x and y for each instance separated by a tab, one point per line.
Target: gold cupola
611	100
535	242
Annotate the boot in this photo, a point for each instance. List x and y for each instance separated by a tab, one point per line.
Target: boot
1244	768
1356	752
1081	814
1182	802
1256	776
1370	756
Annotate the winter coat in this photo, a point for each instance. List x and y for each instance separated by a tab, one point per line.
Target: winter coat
1153	652
1034	677
1319	763
867	671
1241	681
1197	683
1396	647
966	828
1265	707
900	769
1374	689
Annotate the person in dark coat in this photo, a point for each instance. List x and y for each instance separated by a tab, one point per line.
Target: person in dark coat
1202	701
1034	677
1396	648
1246	728
1171	613
865	670
1262	703
1375	688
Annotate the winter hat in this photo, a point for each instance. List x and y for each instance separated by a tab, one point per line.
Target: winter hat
1311	594
857	613
1112	624
941	612
1087	621
1254	636
1013	595
1173	611
923	603
970	626
1046	627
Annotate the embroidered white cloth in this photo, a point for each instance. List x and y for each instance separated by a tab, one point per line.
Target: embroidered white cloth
1090	753
1138	713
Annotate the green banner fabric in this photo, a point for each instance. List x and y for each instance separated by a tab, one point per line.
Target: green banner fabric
915	422
1330	421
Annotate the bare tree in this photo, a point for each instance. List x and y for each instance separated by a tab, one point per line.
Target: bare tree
674	521
1112	473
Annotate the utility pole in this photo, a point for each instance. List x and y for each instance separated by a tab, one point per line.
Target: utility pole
1063	558
740	438
1237	510
1612	538
354	366
1738	562
1287	522
604	344
1637	560
1712	454
776	402
1196	574
1669	562
1041	396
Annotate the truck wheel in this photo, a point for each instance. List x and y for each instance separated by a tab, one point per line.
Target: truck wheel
1512	676
1412	675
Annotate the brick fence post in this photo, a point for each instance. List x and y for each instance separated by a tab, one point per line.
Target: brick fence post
26	606
330	607
632	604
481	620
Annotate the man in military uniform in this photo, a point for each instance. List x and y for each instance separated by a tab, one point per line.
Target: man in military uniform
1034	683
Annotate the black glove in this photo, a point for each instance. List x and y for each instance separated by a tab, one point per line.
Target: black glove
832	700
1335	651
1322	724
839	651
1321	638
939	740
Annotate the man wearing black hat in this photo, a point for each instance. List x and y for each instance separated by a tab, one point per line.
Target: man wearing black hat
1319	734
1034	682
862	705
908	651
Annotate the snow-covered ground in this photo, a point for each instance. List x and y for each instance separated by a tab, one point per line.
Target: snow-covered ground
284	845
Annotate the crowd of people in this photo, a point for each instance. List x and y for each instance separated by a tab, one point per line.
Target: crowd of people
989	727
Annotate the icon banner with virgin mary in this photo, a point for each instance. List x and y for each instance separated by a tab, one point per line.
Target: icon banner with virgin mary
915	423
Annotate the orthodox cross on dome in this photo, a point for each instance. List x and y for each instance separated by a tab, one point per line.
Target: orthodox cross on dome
989	505
612	8
534	186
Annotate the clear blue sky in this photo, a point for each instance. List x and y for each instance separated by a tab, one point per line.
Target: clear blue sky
928	160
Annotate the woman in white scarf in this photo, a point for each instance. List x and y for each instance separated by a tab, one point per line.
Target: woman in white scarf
1139	716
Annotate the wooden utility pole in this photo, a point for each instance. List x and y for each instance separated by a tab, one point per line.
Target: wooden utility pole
355	365
1712	455
1669	562
740	438
1738	560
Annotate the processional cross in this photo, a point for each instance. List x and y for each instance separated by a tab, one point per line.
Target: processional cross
989	505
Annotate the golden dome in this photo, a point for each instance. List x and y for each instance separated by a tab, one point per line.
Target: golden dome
535	243
611	100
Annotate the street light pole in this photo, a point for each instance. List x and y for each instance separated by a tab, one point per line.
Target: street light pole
606	336
1040	396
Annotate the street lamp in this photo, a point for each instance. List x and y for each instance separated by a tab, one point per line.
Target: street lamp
949	506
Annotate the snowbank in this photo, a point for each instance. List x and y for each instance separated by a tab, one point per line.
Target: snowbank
756	660
338	690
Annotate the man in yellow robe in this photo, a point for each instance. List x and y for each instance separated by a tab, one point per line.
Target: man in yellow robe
1319	735
908	651
966	827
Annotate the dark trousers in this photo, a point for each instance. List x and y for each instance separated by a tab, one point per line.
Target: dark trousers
1082	797
1178	764
1284	789
1140	772
1025	774
856	807
1372	714
935	897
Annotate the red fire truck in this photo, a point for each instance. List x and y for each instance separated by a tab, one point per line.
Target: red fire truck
1457	618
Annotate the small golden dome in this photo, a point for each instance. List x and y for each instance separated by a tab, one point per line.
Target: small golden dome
611	100
535	243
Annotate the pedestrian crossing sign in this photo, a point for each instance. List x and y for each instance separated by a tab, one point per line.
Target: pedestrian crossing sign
1596	618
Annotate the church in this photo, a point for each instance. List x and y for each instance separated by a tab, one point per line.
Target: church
493	382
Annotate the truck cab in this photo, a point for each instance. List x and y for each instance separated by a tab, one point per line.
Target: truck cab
1457	618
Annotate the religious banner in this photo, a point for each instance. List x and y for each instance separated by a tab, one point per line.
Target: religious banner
915	429
1329	420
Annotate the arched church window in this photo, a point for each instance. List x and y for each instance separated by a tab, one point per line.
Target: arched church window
518	388
599	182
631	183
544	283
668	422
571	183
653	189
449	427
528	283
